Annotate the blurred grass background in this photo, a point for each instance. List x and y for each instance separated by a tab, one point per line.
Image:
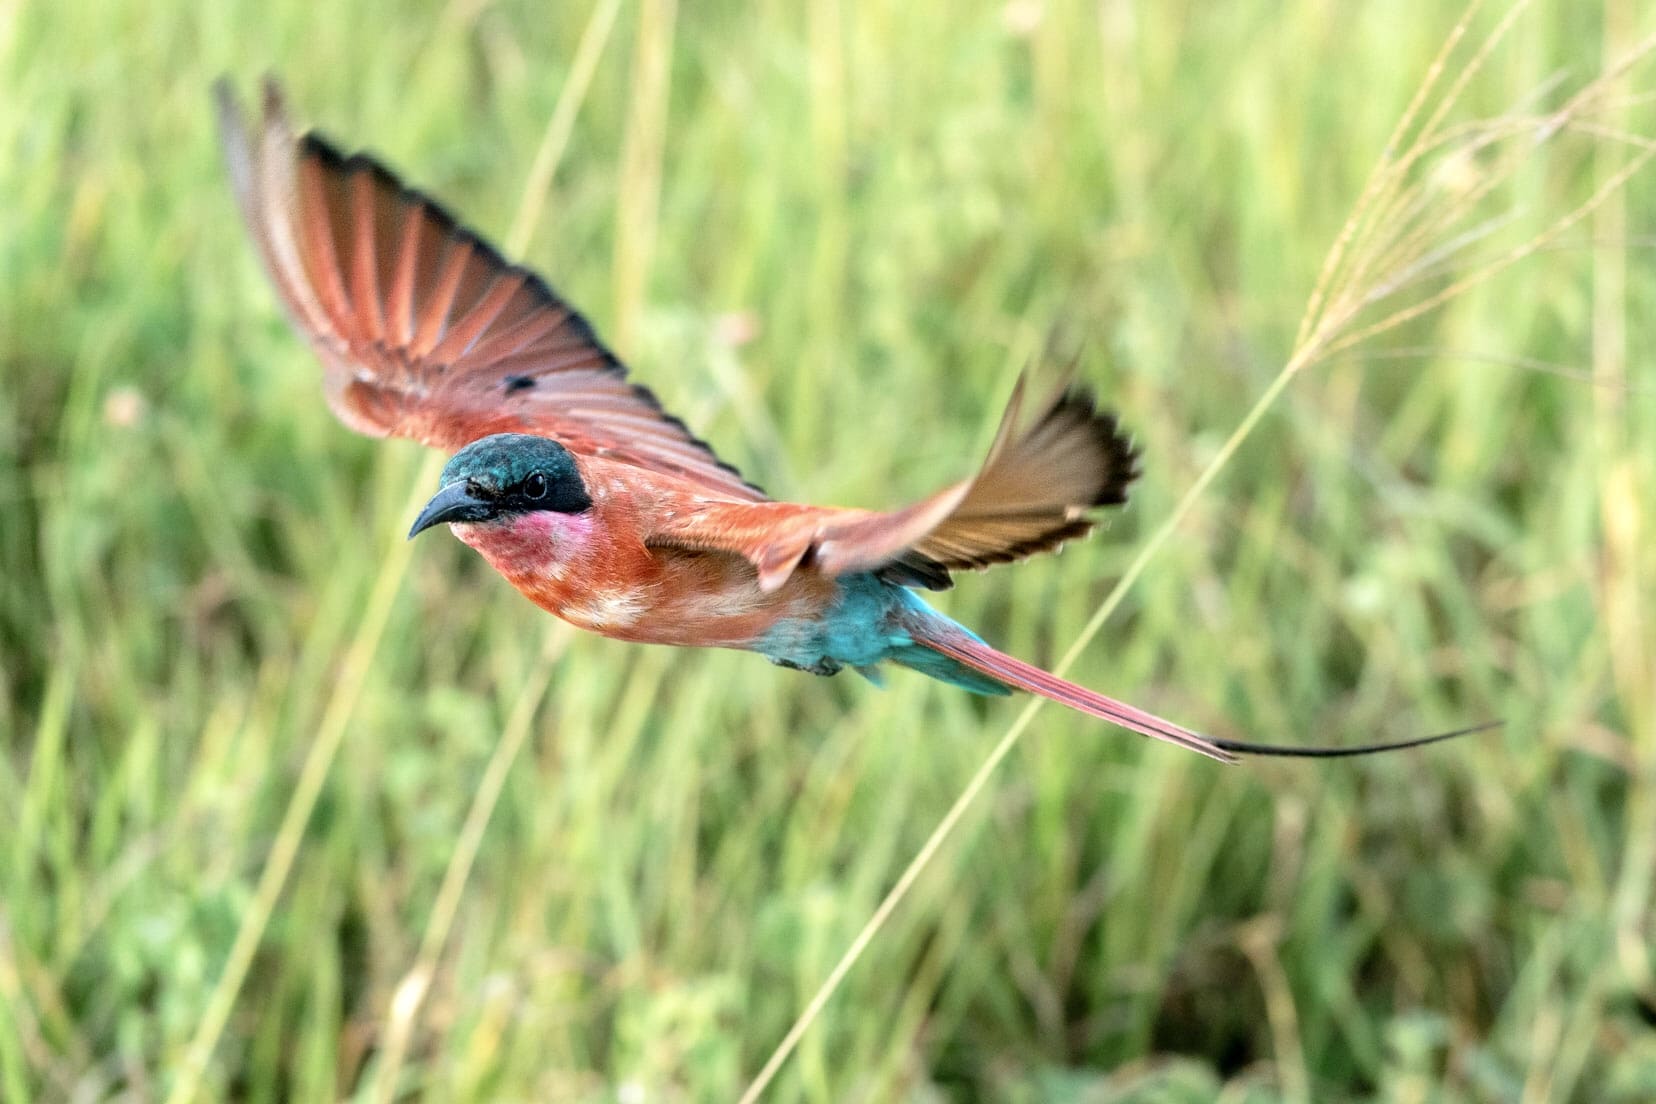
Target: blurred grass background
829	234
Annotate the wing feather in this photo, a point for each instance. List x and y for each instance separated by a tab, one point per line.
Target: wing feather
424	331
1040	486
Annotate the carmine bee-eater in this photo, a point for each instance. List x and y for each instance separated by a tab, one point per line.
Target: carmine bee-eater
604	509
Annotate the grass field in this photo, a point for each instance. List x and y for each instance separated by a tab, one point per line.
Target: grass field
830	234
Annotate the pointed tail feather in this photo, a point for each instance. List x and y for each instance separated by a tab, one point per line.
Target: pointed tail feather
965	649
949	639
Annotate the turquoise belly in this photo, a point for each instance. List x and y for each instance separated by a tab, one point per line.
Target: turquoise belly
862	629
859	630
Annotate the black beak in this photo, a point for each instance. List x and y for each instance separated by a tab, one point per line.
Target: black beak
454	502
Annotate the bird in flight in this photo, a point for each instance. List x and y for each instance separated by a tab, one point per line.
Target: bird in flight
607	511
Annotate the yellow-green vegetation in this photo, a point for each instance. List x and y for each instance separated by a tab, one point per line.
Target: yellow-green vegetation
294	810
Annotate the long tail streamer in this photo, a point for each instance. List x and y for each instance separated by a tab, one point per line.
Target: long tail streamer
980	657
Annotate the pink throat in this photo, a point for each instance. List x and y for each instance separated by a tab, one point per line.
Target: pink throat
526	544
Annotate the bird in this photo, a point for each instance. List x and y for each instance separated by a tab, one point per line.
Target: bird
602	508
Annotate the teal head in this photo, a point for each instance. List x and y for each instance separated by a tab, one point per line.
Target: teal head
505	475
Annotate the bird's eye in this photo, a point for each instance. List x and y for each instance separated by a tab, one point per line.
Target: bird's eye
534	487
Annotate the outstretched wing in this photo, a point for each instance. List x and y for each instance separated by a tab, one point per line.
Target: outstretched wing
1039	487
424	331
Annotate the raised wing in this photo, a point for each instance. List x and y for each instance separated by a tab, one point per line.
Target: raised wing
1039	487
423	330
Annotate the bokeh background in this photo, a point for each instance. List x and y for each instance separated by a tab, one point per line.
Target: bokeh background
830	234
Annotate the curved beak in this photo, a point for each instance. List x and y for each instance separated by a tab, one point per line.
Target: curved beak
454	502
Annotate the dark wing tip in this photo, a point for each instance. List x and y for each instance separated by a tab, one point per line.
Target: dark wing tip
1076	409
1071	423
273	98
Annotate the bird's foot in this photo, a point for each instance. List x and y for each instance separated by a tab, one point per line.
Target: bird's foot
822	666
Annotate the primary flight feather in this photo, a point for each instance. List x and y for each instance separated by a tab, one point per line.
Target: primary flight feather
604	509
